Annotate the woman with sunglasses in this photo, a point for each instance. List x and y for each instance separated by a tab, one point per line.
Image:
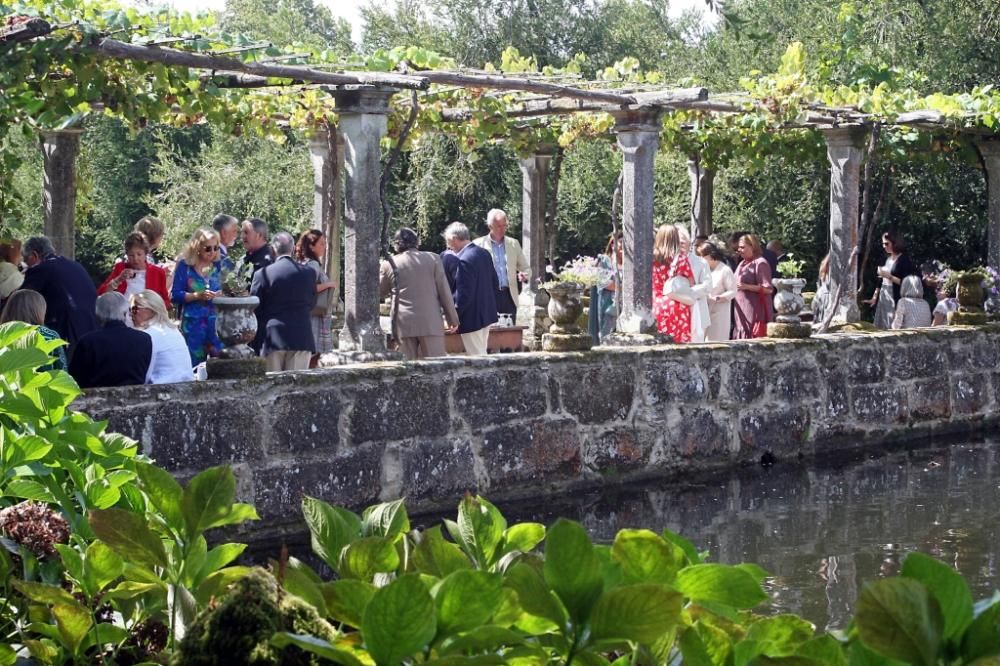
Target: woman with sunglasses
171	362
134	273
198	280
890	275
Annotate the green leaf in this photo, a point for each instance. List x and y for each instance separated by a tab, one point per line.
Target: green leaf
388	519
346	600
368	556
316	646
208	499
8	657
164	492
645	557
303	582
982	638
331	529
73	621
29	489
641	613
572	569
523	537
823	649
42	593
437	557
102	564
534	595
489	637
399	621
480	529
947	586
128	535
466	599
779	635
720	583
103	634
217	583
690	552
898	618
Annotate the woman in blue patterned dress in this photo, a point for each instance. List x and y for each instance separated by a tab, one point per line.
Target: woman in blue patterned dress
198	280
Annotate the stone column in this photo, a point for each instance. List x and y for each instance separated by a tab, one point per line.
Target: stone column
989	150
638	135
702	196
844	150
532	301
362	111
59	151
328	200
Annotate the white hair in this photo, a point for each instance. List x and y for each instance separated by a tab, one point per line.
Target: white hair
493	214
457	230
111	306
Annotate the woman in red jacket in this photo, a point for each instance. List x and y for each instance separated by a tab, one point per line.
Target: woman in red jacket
134	273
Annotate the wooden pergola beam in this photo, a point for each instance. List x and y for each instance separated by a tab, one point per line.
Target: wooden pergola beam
529	85
674	99
25	30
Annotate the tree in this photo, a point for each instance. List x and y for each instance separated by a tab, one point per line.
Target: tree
287	22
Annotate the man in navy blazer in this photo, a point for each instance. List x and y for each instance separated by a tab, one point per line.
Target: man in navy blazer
113	355
287	292
68	291
475	287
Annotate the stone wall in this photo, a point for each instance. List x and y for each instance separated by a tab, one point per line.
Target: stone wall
521	425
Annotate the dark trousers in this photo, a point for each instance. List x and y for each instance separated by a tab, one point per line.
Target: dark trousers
506	304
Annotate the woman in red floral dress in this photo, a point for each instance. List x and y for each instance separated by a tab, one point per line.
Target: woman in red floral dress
673	317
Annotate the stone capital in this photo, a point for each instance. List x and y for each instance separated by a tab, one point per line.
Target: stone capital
852	136
362	99
637	121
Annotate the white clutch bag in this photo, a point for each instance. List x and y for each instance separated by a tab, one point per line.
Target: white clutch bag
679	289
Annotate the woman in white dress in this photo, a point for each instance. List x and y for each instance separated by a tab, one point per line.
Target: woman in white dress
721	295
171	361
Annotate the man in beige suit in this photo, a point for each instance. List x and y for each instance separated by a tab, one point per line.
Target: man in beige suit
420	292
508	259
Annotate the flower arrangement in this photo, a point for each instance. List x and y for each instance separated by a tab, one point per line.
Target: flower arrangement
976	273
235	282
791	267
587	271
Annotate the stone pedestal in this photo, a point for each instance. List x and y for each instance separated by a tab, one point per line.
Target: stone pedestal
532	300
59	151
638	134
702	198
989	150
362	111
844	150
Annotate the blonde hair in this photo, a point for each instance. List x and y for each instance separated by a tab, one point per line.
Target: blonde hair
193	246
754	244
149	299
24	305
667	245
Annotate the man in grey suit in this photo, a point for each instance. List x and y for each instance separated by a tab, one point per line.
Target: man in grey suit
287	292
420	292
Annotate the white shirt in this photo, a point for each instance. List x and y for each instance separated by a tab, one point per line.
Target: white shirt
171	362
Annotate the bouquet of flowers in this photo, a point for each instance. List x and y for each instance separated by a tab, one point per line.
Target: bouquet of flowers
588	271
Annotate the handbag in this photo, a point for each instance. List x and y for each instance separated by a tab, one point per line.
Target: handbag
679	289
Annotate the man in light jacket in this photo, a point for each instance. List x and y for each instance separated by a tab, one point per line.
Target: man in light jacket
420	292
508	259
700	287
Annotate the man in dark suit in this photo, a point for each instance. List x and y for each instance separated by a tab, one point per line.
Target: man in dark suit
475	290
113	355
287	292
253	234
68	291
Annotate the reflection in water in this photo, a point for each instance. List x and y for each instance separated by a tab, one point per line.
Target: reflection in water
822	530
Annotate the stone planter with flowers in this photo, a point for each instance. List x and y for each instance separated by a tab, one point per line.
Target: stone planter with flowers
566	303
788	302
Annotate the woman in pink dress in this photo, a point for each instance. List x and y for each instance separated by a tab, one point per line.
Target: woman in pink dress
752	308
671	307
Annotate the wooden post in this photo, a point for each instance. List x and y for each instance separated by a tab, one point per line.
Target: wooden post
59	151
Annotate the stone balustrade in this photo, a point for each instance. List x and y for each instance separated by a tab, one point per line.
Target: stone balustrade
527	425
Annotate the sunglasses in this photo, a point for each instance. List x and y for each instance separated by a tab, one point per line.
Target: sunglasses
209	248
135	308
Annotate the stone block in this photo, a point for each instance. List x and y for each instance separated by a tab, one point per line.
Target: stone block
304	421
598	394
500	396
780	431
437	469
797	381
970	393
865	365
352	480
986	353
882	403
917	360
194	435
408	407
539	451
837	403
746	381
930	399
670	382
698	432
713	373
618	450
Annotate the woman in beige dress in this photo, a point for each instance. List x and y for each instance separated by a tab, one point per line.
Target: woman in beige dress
721	296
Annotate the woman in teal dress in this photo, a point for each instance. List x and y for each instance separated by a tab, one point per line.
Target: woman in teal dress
197	281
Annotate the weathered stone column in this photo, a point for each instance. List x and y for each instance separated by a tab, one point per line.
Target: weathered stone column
59	151
328	200
844	150
702	197
989	150
532	301
362	112
638	138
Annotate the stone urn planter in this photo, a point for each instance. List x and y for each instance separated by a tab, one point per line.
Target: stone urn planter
788	304
236	324
970	301
565	309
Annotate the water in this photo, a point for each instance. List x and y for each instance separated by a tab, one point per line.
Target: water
825	529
